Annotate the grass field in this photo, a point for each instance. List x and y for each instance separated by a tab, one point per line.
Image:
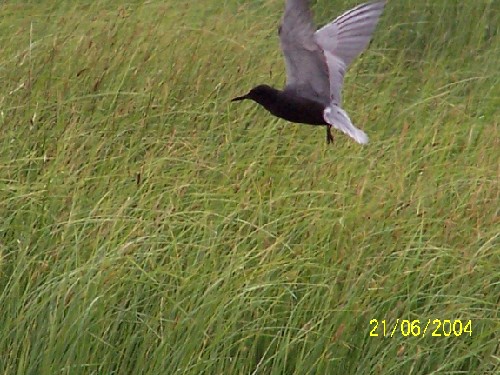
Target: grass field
150	226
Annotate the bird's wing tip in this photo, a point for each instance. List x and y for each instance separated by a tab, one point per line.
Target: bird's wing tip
362	138
339	119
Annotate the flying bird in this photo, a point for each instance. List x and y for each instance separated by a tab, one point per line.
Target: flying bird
316	62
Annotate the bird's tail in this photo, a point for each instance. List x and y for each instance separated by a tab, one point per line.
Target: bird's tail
338	118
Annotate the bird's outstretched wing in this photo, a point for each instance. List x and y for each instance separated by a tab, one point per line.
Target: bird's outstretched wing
344	39
306	69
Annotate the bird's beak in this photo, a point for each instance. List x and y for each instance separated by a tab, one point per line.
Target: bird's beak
237	99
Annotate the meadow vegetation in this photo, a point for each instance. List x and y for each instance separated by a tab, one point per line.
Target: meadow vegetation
149	226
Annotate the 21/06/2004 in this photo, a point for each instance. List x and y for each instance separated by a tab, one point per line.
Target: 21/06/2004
415	328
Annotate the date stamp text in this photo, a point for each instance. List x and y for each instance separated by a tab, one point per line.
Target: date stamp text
417	328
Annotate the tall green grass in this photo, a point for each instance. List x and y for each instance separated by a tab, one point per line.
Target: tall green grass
148	226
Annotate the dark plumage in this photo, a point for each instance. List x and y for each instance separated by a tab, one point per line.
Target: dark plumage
288	106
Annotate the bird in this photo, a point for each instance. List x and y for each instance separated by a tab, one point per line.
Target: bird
315	63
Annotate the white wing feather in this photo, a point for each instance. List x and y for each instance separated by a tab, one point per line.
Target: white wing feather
342	41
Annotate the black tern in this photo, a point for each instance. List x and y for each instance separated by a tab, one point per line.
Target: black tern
316	62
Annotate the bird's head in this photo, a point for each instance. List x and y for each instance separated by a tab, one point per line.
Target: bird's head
262	94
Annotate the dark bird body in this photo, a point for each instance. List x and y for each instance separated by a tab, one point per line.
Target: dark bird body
316	62
287	105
